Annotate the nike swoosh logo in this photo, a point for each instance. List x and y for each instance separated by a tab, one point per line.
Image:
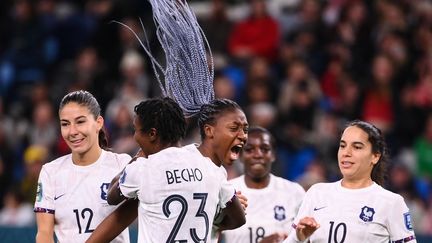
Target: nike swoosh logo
316	209
55	197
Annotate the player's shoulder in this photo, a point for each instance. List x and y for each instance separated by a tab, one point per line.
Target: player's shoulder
280	183
237	180
119	159
55	164
387	195
323	187
193	148
169	153
173	156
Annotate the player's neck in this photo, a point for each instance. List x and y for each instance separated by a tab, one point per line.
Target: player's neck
168	145
352	183
88	157
206	151
257	183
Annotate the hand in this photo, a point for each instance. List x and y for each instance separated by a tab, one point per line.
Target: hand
274	238
243	200
305	228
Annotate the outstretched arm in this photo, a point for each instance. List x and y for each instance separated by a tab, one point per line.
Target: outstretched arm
115	223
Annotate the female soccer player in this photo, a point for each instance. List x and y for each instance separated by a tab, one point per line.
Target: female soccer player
158	123
356	208
180	188
273	202
222	124
72	190
189	81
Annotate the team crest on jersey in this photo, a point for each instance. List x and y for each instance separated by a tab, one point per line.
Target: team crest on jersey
279	213
367	214
407	219
39	192
104	190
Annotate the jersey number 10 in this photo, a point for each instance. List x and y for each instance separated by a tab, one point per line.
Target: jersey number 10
334	235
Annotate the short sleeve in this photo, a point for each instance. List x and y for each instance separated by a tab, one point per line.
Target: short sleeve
300	194
399	222
226	193
124	160
305	208
303	211
130	179
44	202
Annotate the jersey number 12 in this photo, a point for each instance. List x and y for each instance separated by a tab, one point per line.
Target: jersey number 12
86	212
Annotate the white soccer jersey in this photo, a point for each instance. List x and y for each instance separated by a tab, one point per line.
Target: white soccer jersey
270	210
369	215
76	195
179	191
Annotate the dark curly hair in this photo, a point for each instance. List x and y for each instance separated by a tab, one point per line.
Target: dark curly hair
163	114
209	113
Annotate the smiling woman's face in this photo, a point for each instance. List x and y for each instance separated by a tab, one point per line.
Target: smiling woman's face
258	155
355	155
79	128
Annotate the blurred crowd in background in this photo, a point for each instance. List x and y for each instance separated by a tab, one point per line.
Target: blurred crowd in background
301	68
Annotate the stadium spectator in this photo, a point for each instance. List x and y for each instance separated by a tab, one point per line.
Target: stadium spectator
257	35
16	211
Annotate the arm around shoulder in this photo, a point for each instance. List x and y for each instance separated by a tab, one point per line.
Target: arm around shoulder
114	194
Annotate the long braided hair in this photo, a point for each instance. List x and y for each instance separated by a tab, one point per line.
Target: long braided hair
188	75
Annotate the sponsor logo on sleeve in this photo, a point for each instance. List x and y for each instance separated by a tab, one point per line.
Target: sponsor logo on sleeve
366	214
407	220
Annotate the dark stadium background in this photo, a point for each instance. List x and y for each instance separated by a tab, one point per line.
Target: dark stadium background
326	63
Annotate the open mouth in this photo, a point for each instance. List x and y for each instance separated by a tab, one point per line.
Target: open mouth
235	151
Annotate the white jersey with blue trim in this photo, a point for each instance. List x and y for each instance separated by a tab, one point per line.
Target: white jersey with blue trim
76	195
371	215
270	210
179	191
